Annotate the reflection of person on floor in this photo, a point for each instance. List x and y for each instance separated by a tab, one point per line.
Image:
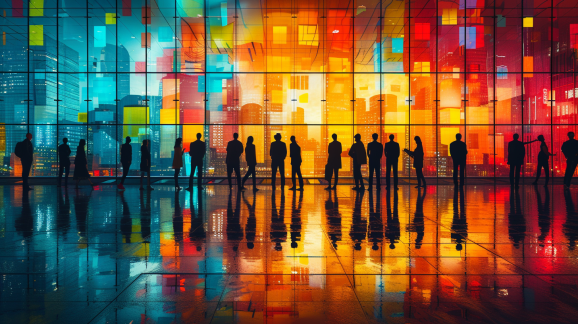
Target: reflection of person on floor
125	221
417	225
296	219
375	232
24	224
570	227
63	217
145	217
543	215
333	219
459	233
358	229
516	220
570	150
197	232
81	204
334	160
278	227
234	230
178	220
393	227
251	226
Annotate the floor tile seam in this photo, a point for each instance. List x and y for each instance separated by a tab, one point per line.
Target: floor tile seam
115	298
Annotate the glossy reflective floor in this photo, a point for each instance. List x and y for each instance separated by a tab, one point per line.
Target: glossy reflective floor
486	254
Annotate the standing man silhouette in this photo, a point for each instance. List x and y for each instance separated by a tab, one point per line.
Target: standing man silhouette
25	151
234	151
197	151
458	151
375	152
64	161
251	158
334	160
516	153
295	154
125	160
570	150
391	151
357	152
278	153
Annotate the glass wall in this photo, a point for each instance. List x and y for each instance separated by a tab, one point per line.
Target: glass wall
159	70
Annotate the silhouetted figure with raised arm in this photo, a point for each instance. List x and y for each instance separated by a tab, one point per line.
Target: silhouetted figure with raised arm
333	162
459	151
234	230
234	151
393	231
197	233
543	158
570	150
251	225
392	152
359	156
516	220
178	160
178	223
295	155
278	227
24	224
64	162
418	157
25	151
145	163
333	219
278	153
125	160
375	231
459	233
197	150
251	158
358	230
296	219
418	225
81	165
374	153
516	153
125	221
570	227
543	215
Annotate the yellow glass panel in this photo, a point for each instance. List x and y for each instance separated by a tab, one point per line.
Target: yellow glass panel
448	134
82	117
110	18
169	116
279	34
528	22
36	37
36	8
304	98
308	35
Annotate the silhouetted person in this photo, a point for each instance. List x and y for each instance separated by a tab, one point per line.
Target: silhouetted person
125	160
333	219
418	156
296	220
197	151
278	153
393	231
25	151
178	160
251	159
459	151
125	221
391	151
459	222
24	224
333	161
178	223
570	150
234	151
234	230
63	161
570	227
251	225
359	156
145	163
375	232
543	158
295	155
516	220
278	227
374	153
516	153
418	224
63	216
81	164
358	230
145	217
543	215
197	233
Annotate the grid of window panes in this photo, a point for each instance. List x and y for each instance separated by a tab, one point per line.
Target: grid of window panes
159	70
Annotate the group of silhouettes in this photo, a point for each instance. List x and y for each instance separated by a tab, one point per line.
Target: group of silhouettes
278	153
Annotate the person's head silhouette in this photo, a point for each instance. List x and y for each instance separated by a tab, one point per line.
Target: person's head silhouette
417	139
357	137
570	135
458	137
82	142
292	139
277	137
374	136
29	136
334	136
199	135
235	135
65	140
541	138
391	137
249	139
127	139
516	136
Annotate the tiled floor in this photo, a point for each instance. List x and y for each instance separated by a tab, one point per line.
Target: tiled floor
486	254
